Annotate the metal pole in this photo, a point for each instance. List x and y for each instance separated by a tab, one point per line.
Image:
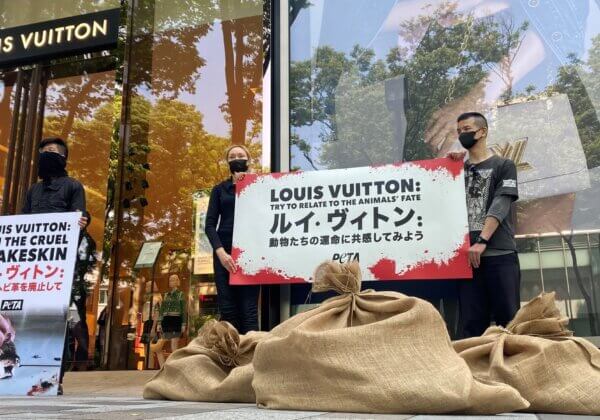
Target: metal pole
37	135
8	172
28	139
19	147
282	36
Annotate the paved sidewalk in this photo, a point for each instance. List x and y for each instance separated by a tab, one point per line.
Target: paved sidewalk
117	395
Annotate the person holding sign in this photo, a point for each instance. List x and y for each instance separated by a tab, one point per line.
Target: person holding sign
55	193
237	304
491	186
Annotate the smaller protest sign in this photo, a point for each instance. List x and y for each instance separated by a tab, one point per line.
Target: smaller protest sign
148	254
37	261
201	249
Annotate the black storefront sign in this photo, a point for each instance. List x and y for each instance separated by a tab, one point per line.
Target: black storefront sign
57	38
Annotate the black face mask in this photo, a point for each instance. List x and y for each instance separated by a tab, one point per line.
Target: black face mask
51	165
238	165
467	139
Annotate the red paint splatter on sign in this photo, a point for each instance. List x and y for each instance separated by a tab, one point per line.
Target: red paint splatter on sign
264	276
456	268
454	167
248	180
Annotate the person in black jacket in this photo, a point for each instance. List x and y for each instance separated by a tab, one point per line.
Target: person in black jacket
237	304
56	192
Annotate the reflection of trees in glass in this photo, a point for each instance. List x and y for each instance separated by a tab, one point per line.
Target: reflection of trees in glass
88	125
580	82
443	59
175	62
78	97
172	151
243	46
183	158
509	44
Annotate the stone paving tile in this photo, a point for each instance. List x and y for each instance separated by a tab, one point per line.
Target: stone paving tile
354	416
32	415
39	408
248	413
564	417
507	416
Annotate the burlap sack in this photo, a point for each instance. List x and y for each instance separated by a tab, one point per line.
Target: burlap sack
216	366
371	352
538	355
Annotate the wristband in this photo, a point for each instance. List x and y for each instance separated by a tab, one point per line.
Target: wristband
481	240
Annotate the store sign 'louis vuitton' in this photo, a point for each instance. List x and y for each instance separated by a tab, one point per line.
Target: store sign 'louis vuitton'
67	36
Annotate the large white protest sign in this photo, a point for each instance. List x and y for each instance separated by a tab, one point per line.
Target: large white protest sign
386	217
37	259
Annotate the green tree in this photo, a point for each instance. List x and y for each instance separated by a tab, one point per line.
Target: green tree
441	62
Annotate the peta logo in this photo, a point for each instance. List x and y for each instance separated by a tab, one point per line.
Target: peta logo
12	305
346	257
509	183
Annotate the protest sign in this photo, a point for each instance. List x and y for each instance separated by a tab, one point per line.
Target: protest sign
37	259
201	249
385	217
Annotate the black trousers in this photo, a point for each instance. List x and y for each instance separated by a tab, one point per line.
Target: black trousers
67	353
238	305
494	293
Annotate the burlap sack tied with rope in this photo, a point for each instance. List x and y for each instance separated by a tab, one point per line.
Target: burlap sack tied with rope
216	366
371	352
538	355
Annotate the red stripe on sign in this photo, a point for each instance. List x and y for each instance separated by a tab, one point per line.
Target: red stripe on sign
248	179
454	167
264	276
457	267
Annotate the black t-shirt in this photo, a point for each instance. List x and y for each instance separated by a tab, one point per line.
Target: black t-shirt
485	180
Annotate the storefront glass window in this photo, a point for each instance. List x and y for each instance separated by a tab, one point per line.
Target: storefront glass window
373	82
82	110
198	83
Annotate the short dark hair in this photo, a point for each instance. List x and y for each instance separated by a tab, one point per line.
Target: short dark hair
478	117
62	145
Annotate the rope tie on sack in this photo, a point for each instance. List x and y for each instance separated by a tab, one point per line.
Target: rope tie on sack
344	279
541	318
222	339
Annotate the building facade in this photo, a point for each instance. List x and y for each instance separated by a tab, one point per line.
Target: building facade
308	85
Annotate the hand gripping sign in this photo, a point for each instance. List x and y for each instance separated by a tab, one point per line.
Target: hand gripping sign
402	222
